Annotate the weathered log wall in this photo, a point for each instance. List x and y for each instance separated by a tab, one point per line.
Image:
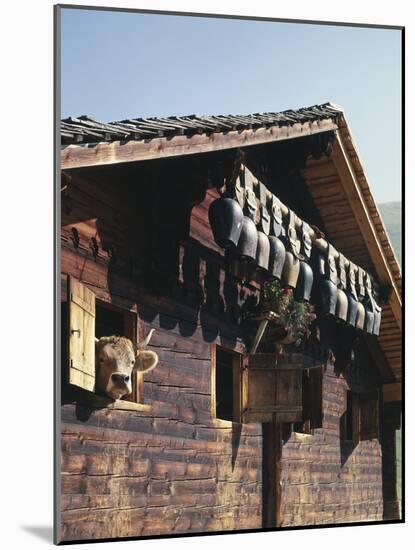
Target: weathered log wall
175	469
326	480
391	450
171	470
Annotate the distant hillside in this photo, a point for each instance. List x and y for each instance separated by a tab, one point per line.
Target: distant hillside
391	214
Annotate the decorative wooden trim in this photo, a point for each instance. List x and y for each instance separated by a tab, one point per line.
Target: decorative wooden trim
77	156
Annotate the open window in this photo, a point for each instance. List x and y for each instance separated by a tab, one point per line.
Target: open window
112	320
369	415
226	384
360	421
312	401
89	318
349	419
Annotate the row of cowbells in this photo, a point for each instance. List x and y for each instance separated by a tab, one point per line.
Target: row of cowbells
234	230
365	316
337	296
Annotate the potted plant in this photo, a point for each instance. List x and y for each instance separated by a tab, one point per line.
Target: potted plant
292	318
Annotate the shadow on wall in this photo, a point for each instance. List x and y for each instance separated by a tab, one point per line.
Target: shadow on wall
142	240
202	295
236	438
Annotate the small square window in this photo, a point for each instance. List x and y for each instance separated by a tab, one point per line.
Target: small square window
312	399
347	426
111	320
360	420
226	384
86	318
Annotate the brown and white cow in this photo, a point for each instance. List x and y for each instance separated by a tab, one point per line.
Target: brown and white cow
116	360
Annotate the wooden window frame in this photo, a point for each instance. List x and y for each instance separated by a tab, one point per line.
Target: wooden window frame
313	411
361	432
237	368
246	407
369	428
134	402
130	330
354	413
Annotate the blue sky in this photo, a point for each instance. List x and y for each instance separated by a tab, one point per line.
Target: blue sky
117	65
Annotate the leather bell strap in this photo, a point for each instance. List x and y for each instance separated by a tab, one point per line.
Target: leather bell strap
250	204
376	307
369	294
320	264
361	283
352	280
276	217
293	241
342	272
307	243
375	294
265	218
368	284
331	270
239	189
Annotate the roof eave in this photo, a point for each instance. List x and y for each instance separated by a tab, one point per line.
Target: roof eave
118	152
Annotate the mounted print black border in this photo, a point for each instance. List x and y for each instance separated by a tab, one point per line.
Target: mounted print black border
57	258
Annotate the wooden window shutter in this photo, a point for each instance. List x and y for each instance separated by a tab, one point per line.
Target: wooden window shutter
271	393
81	307
307	401
355	418
369	416
313	396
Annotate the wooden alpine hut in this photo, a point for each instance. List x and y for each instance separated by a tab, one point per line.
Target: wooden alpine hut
269	393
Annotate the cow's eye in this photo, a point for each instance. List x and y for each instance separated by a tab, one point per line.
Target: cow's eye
101	359
133	361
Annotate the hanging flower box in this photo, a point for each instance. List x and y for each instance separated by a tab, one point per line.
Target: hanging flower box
287	320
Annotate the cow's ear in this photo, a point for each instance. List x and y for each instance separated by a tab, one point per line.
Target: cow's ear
146	360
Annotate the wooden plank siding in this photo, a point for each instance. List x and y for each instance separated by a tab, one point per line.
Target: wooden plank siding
349	486
172	467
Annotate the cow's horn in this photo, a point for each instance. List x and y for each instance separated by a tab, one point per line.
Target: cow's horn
96	339
144	343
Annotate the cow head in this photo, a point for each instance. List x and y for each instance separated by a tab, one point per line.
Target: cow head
117	359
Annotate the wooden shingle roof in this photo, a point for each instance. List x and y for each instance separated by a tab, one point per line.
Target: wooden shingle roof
85	129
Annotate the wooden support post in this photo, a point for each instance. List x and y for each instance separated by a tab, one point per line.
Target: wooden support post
259	334
271	477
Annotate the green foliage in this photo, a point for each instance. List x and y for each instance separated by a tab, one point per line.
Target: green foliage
295	316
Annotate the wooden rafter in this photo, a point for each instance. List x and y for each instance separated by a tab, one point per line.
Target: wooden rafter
367	228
